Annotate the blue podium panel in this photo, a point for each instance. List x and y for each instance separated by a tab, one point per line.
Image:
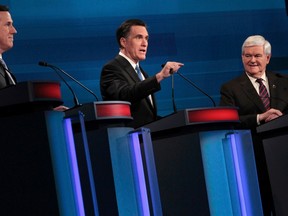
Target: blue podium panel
66	166
230	173
145	173
124	172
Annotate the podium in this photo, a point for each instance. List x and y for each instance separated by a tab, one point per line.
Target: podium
37	176
274	136
116	163
205	166
30	96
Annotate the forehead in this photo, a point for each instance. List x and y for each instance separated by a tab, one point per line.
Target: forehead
5	16
254	49
136	30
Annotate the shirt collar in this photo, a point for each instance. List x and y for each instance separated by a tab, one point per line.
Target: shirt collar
129	60
253	79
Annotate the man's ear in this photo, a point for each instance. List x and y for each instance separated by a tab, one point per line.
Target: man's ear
268	58
123	42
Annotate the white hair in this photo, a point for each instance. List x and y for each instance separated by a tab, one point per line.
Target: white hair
257	40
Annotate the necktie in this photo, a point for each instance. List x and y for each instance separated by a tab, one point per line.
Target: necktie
263	93
139	72
8	77
142	78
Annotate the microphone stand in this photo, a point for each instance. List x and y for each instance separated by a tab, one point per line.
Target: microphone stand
45	64
214	104
172	91
76	101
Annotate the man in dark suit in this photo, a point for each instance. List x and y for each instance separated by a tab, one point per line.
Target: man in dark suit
255	107
119	78
7	31
243	91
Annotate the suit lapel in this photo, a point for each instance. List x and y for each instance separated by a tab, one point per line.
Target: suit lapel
3	82
250	92
128	68
133	75
278	91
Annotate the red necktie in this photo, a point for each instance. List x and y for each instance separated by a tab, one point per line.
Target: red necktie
263	93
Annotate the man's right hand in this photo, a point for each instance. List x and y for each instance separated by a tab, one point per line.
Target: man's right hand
270	115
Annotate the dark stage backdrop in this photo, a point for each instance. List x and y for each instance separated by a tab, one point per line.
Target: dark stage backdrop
206	35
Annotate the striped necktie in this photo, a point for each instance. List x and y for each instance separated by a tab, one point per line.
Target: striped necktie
9	78
263	93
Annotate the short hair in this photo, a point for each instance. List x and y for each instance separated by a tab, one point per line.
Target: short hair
257	40
125	27
4	8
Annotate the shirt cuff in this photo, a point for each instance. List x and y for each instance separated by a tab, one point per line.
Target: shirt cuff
258	121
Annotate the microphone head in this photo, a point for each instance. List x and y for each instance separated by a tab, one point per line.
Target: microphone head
42	63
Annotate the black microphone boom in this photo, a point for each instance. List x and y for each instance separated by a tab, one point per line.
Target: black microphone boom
45	64
76	101
189	81
172	94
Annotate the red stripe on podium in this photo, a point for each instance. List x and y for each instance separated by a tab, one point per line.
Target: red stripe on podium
47	90
113	110
212	115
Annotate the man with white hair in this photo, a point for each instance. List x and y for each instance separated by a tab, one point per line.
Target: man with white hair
261	96
243	91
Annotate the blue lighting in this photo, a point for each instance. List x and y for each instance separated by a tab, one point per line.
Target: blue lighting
74	168
139	176
230	173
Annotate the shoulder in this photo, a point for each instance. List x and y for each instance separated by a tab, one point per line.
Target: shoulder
277	78
237	80
276	75
118	61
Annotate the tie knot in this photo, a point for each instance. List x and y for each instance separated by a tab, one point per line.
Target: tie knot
137	68
259	80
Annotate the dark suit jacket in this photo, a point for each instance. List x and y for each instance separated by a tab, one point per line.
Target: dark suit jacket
3	81
240	92
119	81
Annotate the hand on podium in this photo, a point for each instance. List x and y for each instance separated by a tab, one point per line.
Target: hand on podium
60	108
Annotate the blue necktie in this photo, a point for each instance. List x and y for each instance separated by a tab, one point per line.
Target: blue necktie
139	72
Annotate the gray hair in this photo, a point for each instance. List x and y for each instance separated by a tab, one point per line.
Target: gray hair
257	40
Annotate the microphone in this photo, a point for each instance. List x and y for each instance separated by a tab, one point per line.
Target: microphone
45	64
75	99
191	83
281	75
